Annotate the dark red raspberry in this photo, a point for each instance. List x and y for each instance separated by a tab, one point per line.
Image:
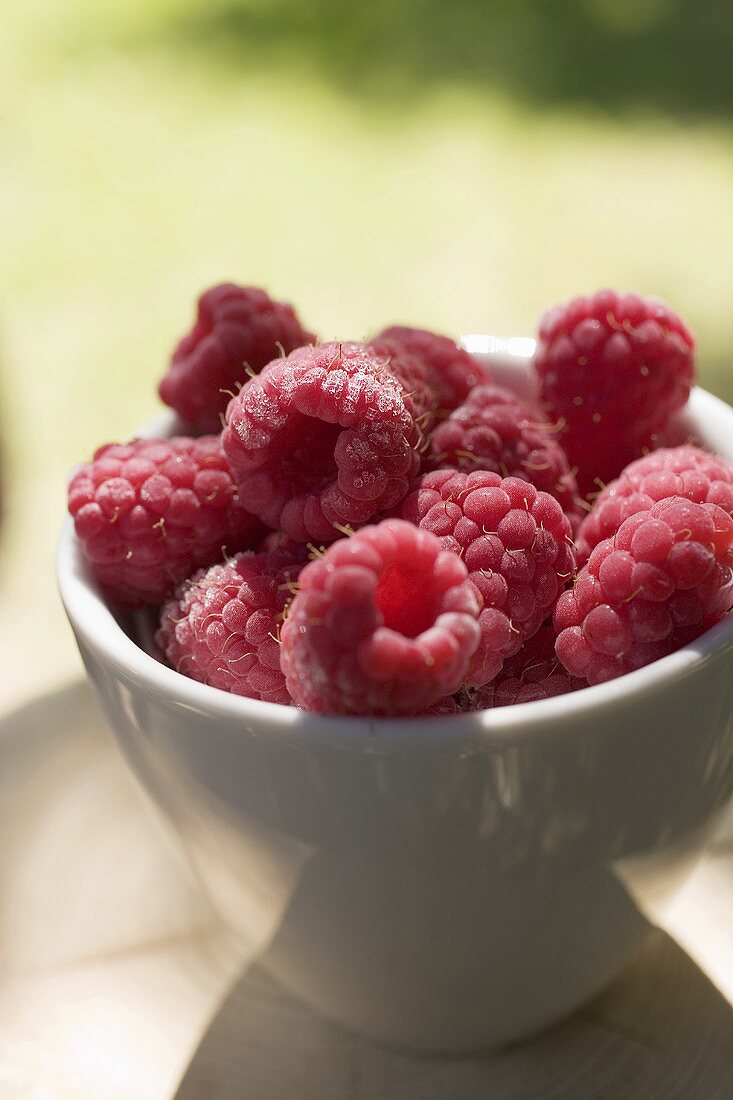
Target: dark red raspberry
384	623
326	438
222	627
444	708
276	540
494	430
680	472
150	512
612	369
238	330
452	371
516	544
662	580
533	673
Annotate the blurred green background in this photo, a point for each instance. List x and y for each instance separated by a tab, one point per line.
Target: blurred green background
457	164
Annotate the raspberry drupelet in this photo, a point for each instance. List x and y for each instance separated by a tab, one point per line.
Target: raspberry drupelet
326	439
452	372
612	370
677	472
661	581
148	513
222	625
516	544
385	623
531	674
238	330
495	430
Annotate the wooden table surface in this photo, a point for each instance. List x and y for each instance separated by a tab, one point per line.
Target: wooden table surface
118	983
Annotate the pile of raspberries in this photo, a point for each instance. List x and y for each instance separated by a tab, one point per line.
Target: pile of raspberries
381	528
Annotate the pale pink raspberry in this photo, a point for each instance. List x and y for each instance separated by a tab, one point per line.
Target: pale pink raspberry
385	623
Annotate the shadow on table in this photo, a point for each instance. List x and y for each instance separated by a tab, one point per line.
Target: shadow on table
75	843
661	1032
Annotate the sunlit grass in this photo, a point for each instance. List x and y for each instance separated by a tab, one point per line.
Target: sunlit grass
130	178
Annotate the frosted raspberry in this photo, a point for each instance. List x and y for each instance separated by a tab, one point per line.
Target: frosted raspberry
384	623
452	371
533	673
238	330
612	369
222	627
516	544
494	430
326	438
416	380
680	472
664	579
150	512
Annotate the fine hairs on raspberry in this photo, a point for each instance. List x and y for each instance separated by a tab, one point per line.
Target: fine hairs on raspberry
327	438
148	513
238	330
663	579
452	372
685	471
222	626
612	370
384	623
531	674
516	543
495	430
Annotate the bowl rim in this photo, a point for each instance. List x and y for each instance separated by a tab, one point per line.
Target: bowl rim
92	620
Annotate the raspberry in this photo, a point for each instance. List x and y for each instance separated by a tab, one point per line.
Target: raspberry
222	626
276	540
452	372
679	472
150	512
494	430
236	328
533	673
662	581
384	623
516	544
326	438
612	368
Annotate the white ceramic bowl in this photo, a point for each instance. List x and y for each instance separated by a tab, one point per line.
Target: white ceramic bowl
443	884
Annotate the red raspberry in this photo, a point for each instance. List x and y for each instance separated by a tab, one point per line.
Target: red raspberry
494	430
662	580
150	512
384	623
236	328
612	368
516	543
452	372
326	438
680	472
415	378
222	626
276	540
533	673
